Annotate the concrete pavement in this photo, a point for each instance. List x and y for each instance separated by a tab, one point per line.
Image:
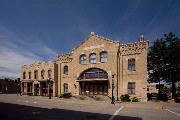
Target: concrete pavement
42	108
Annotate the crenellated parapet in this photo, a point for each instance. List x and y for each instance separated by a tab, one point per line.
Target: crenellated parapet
134	48
38	65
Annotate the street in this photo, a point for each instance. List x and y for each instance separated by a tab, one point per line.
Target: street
13	107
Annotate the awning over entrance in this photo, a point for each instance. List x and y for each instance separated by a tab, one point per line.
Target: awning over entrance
89	80
93	74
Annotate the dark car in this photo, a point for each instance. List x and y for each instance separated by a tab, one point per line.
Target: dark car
177	97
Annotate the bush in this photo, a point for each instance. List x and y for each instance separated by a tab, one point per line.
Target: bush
125	98
66	95
135	99
61	96
82	97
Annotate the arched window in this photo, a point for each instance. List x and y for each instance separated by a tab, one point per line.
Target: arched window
65	88
103	57
35	74
82	59
66	70
42	74
29	75
24	75
93	73
92	58
131	64
49	74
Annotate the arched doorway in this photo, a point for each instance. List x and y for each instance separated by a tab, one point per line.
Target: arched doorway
93	81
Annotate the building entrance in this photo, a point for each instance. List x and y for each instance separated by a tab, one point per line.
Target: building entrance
94	88
93	81
36	89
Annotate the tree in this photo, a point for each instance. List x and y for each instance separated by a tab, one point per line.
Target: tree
163	60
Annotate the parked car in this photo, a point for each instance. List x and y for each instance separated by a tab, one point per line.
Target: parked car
177	97
162	97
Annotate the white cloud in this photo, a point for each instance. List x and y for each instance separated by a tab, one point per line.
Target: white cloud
15	52
47	51
12	59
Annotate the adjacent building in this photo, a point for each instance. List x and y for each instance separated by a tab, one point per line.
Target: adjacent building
91	68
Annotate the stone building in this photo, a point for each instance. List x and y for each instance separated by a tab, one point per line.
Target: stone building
34	78
92	67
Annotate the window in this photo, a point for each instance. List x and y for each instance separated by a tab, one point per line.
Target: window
29	75
83	59
92	58
35	74
24	75
93	73
42	74
65	87
66	70
131	87
131	64
49	74
103	57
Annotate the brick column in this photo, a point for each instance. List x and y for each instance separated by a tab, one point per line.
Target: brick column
33	88
59	78
54	88
40	89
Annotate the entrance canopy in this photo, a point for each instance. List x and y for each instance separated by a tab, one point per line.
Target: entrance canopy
93	74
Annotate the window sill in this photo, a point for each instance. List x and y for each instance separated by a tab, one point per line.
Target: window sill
103	62
83	64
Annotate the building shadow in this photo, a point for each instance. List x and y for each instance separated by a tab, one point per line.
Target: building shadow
21	112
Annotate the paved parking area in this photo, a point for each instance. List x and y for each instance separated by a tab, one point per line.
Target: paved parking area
41	108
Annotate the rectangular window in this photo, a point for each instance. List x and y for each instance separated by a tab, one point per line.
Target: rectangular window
29	75
131	64
65	88
131	87
24	75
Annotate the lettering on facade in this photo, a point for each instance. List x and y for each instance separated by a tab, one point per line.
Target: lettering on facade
93	47
65	59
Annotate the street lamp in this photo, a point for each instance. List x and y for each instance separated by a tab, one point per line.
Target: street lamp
50	83
112	102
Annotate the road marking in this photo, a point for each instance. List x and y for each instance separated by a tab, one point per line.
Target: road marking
115	113
173	112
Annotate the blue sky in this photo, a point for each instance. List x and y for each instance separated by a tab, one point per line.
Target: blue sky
41	29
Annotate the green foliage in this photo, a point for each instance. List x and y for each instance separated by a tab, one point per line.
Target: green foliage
135	99
125	98
163	60
66	95
61	96
82	97
166	90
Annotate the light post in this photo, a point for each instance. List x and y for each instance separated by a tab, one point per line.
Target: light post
50	82
112	102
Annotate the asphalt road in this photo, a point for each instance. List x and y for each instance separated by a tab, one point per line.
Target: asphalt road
14	107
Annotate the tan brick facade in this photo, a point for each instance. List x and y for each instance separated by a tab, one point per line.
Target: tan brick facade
73	72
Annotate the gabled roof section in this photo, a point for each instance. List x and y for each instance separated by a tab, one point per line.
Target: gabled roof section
98	36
